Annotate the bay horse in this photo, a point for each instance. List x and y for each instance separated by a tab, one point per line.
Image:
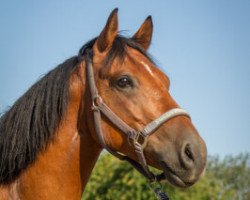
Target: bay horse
52	136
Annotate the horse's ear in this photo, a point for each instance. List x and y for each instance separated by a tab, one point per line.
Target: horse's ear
108	34
144	35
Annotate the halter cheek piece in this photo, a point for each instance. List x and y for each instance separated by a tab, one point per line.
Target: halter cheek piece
137	137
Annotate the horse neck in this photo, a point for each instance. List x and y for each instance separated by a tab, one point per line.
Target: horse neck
63	169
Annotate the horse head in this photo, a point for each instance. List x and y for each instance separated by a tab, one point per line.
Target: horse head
132	86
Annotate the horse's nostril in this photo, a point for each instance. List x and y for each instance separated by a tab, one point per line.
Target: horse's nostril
187	157
188	152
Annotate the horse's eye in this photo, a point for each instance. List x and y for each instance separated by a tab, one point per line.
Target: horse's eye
124	82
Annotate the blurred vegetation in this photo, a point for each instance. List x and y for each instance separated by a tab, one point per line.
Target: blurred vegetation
225	179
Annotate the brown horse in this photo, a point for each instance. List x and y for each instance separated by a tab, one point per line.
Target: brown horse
48	140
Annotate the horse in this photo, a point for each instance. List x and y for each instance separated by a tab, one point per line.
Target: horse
110	96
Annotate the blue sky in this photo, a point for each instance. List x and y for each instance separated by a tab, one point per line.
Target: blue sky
203	46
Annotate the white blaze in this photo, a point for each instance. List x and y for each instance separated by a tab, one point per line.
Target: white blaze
147	68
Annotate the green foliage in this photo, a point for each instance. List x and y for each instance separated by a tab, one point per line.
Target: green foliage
224	180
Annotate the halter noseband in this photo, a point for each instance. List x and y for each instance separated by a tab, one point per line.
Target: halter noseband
138	137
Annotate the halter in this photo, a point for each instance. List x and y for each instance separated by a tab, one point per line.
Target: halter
136	137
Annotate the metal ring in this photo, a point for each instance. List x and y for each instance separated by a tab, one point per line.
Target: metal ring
140	139
97	100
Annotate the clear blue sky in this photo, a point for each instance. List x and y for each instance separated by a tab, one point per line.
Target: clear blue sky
203	46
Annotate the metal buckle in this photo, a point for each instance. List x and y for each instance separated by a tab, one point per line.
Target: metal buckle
131	136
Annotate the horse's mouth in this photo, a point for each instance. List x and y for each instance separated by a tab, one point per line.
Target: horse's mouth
171	176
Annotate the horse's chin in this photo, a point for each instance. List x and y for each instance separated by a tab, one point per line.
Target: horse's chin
175	180
170	176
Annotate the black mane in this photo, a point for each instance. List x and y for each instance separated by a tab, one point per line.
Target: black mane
28	126
31	122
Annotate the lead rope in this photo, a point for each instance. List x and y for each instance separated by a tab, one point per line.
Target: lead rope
153	182
156	187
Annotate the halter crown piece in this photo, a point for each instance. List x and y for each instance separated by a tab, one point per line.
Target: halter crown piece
138	137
